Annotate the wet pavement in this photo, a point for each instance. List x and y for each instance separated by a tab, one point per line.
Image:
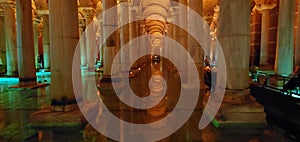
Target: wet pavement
16	105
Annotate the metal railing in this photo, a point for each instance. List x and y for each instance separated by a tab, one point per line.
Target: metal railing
275	83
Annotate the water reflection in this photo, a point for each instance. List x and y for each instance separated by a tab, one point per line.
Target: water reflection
17	105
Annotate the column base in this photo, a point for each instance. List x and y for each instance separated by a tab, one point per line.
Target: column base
27	81
239	109
109	79
46	69
63	105
13	74
237	97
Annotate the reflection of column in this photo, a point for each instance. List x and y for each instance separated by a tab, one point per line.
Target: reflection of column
125	56
109	23
264	7
297	50
64	39
27	75
235	41
285	38
10	40
46	42
157	89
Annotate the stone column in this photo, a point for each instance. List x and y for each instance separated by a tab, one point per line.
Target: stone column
2	43
10	40
64	39
46	41
133	34
264	6
36	43
183	37
297	49
109	22
176	32
285	38
27	71
169	46
197	55
125	54
90	34
82	44
194	47
234	37
143	48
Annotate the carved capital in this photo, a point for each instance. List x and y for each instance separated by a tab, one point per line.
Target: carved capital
41	4
88	13
6	4
1	13
262	5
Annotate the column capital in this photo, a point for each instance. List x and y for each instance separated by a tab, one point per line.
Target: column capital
261	5
7	4
88	13
1	13
43	12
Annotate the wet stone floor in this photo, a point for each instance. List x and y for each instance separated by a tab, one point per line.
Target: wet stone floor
17	104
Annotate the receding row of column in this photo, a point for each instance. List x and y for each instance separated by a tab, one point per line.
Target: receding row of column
10	40
286	58
285	39
11	58
234	40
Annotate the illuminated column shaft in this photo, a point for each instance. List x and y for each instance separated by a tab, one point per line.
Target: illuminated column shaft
176	34
194	47
82	44
143	48
46	42
285	38
27	71
125	54
64	39
235	40
183	38
264	6
36	43
297	50
197	55
133	34
2	40
90	39
10	40
168	46
109	23
264	37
